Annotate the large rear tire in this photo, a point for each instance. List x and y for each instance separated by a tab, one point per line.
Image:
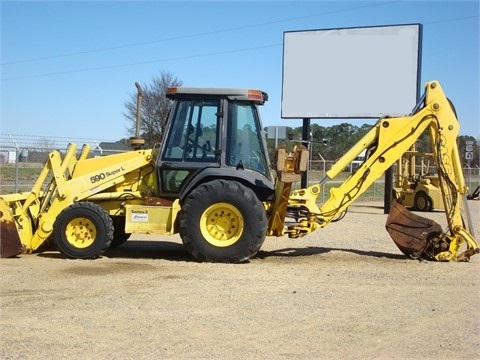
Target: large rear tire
83	231
223	221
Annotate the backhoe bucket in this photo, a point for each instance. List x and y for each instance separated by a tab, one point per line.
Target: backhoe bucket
10	244
412	234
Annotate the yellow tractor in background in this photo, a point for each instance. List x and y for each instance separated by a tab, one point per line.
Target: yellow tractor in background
415	188
211	182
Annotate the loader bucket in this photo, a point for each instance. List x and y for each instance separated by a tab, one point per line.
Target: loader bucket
412	234
10	244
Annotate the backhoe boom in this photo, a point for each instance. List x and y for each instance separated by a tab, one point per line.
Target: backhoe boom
385	143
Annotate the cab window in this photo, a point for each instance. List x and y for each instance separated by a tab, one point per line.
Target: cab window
193	136
244	142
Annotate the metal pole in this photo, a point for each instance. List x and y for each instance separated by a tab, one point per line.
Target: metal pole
306	138
387	196
324	174
276	136
17	153
16	162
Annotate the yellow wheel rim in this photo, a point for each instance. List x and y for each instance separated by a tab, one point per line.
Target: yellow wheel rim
221	224
80	233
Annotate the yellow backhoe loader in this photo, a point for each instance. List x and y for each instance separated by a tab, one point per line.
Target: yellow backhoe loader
210	181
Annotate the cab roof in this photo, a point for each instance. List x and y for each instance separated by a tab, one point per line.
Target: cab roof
254	95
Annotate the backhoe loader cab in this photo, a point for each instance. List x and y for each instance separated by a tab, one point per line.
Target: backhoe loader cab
213	134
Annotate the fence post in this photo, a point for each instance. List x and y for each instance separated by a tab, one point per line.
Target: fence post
17	154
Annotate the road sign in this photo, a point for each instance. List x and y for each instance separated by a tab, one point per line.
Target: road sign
469	150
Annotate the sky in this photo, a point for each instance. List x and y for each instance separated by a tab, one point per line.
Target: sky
68	67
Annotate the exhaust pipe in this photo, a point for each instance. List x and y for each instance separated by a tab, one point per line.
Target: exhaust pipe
137	141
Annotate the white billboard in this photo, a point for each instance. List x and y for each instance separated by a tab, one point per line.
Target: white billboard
363	72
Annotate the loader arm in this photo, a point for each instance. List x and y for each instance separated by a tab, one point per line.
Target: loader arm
30	216
385	143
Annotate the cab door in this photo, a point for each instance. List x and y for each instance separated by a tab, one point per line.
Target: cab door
191	143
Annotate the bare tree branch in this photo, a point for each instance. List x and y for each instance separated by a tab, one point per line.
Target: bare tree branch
155	108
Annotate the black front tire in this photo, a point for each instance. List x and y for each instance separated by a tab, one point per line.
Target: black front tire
83	231
422	201
119	234
223	221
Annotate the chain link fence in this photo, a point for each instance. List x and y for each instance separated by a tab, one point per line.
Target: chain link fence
22	158
376	191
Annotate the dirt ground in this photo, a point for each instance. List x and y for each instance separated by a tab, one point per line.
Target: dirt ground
345	291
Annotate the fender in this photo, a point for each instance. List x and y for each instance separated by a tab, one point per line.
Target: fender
262	186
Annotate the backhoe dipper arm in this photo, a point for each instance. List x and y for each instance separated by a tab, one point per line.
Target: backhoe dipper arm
385	143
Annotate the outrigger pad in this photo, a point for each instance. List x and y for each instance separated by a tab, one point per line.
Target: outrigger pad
410	232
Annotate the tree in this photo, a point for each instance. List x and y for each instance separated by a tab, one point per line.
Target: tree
44	144
155	108
331	142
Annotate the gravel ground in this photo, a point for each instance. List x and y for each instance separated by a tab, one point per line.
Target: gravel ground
345	291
